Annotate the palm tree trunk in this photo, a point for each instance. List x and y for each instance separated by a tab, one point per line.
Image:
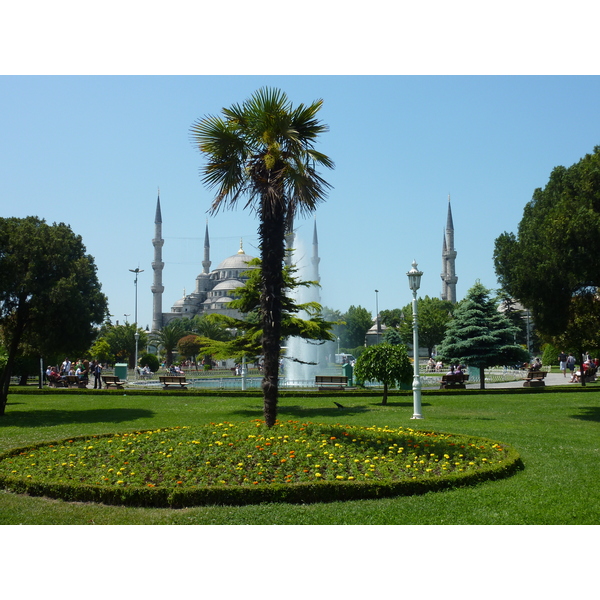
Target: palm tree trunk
272	239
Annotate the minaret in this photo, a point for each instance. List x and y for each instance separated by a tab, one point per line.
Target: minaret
206	262
157	265
448	275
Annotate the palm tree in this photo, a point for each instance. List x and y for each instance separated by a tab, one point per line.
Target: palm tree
263	150
168	337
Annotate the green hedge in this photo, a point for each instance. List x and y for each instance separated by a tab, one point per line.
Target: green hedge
304	493
319	491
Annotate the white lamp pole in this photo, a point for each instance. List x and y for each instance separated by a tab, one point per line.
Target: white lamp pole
137	271
414	283
377	313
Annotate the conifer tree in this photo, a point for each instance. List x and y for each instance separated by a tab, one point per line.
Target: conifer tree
479	335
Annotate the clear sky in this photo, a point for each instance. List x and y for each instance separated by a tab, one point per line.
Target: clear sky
92	151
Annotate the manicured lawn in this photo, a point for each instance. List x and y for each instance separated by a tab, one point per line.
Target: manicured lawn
557	435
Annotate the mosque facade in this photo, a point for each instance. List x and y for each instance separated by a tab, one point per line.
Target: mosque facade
214	289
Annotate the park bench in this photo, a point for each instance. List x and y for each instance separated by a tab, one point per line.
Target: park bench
74	381
331	382
454	381
534	379
168	380
109	380
57	382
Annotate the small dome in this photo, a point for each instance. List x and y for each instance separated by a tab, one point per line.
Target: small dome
228	284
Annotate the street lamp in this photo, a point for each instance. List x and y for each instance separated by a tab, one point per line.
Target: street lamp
137	271
414	283
377	313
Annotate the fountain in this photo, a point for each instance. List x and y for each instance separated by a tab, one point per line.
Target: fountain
302	356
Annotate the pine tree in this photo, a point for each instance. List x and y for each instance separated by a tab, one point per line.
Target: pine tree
479	335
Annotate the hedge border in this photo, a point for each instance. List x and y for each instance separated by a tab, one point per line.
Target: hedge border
298	493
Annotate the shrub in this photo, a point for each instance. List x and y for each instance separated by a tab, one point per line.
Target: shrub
151	360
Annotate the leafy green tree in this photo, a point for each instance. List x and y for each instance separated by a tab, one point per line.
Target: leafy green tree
101	351
385	363
121	339
552	259
358	321
151	360
50	298
392	318
433	316
581	333
264	150
189	346
479	335
166	339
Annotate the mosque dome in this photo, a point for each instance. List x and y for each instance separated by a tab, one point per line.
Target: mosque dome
237	262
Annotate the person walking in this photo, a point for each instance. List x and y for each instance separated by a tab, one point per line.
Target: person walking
97	370
571	366
562	361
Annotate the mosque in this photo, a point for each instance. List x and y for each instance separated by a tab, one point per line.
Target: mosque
217	288
214	289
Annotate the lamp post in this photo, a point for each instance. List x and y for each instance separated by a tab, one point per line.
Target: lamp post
137	271
414	283
377	313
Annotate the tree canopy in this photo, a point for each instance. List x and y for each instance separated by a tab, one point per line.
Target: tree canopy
552	259
385	363
479	335
357	321
433	316
50	296
264	151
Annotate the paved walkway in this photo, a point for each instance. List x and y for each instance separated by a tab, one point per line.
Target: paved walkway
550	379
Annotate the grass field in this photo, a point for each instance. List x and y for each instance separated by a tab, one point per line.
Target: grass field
557	435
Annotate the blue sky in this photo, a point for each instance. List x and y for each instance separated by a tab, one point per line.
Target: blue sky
92	151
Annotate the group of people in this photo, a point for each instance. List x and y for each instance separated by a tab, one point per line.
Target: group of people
589	365
81	369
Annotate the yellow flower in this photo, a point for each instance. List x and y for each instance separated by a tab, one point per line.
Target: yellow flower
318	475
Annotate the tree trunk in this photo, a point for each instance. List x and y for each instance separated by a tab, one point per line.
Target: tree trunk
482	378
385	394
272	239
12	355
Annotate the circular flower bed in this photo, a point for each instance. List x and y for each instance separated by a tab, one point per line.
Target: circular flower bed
244	463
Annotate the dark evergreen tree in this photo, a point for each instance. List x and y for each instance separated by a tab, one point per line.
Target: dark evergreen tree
479	335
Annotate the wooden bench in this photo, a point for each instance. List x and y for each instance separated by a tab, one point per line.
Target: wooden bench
534	379
109	380
74	381
168	380
454	381
331	382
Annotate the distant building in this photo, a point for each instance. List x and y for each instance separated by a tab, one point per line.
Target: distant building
448	275
214	290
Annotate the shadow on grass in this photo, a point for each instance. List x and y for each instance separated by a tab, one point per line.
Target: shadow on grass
588	413
48	418
324	411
